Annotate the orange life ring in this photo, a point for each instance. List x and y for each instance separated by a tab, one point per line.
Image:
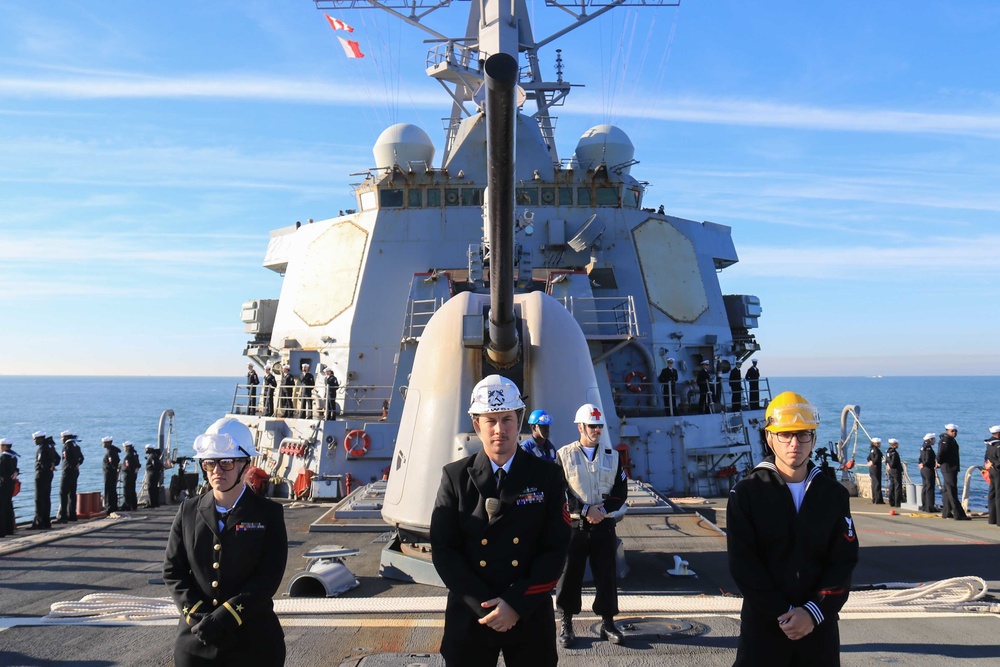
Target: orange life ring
634	381
357	443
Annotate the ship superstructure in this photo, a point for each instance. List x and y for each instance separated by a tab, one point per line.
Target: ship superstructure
634	286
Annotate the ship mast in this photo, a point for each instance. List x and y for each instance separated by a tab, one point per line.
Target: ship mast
494	26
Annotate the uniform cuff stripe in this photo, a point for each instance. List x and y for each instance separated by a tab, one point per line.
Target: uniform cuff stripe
229	608
814	610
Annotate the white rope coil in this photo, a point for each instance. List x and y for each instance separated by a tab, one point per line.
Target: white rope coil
948	595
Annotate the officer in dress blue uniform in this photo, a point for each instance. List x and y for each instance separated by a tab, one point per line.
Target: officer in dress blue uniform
753	385
154	474
8	477
499	531
668	380
308	381
928	472
270	382
596	490
539	444
72	457
949	460
225	559
332	385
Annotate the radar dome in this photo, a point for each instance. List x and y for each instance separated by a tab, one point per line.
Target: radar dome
604	143
403	143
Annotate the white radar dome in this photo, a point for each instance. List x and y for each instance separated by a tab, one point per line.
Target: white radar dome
403	143
604	143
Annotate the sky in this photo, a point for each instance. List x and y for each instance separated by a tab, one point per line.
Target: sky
147	150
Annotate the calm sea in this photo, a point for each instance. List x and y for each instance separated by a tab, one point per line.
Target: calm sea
129	408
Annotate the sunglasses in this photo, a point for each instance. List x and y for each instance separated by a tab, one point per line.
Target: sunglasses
208	465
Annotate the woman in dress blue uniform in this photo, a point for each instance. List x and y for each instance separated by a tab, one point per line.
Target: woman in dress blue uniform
225	559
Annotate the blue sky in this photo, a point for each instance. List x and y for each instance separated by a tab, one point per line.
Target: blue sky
147	149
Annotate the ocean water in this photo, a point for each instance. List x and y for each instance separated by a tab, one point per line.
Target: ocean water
129	408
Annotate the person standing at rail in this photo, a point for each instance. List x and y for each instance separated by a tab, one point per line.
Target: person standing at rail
8	478
894	469
252	381
928	472
949	461
72	458
130	466
110	465
875	471
792	547
46	461
992	465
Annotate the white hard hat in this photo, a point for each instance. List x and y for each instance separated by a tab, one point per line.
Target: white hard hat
495	393
589	414
950	427
930	436
876	441
994	429
239	445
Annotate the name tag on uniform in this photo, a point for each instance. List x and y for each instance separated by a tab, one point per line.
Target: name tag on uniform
241	527
531	496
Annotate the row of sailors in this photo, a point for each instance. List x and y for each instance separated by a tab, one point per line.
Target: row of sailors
287	406
47	459
946	459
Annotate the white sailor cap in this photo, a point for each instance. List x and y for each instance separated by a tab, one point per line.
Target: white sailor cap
149	447
994	429
305	365
670	360
950	427
753	361
38	434
930	436
893	441
6	441
127	444
327	370
67	434
876	441
106	438
705	362
286	367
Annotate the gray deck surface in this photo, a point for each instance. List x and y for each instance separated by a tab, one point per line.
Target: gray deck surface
125	556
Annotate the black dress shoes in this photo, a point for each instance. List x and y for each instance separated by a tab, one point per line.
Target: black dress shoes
611	632
566	635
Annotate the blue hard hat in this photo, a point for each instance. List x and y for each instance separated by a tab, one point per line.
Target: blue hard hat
540	417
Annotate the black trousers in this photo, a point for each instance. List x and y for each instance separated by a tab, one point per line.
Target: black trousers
111	490
67	494
951	508
895	488
43	500
252	401
763	644
875	474
994	497
597	545
268	402
927	473
754	392
466	643
7	508
131	503
737	392
153	478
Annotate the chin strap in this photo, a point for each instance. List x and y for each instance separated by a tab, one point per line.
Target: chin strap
239	478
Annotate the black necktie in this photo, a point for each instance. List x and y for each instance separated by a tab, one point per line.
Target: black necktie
501	475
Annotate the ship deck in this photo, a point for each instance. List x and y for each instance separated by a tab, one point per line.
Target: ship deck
363	627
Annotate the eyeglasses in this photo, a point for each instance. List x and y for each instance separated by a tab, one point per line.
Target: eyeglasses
804	437
596	427
208	465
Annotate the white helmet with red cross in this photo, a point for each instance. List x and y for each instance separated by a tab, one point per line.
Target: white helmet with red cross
589	414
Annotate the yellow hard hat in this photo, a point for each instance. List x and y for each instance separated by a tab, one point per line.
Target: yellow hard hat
789	411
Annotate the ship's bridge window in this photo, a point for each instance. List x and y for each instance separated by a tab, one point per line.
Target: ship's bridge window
433	197
608	197
548	196
583	196
565	196
527	196
632	198
451	197
415	198
472	196
390	198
